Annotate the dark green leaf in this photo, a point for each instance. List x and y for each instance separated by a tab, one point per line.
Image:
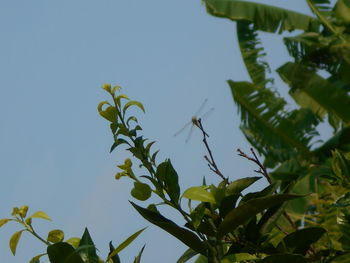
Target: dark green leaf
115	258
138	258
247	210
63	253
285	258
89	247
184	235
167	174
141	191
300	241
187	255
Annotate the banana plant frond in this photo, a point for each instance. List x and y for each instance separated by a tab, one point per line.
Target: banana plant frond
252	53
268	126
341	141
264	17
314	50
311	90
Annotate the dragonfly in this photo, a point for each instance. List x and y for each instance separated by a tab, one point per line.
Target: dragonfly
194	120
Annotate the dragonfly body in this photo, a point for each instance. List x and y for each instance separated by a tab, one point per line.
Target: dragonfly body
194	121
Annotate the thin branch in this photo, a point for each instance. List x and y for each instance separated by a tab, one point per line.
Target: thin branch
211	162
262	170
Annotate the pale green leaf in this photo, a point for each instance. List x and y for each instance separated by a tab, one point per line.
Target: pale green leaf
55	236
133	103
125	243
4	221
74	241
41	214
36	259
14	241
199	193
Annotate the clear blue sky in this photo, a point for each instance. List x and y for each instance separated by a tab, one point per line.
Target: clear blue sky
54	152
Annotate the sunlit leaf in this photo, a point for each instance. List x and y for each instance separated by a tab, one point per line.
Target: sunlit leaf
23	211
199	193
237	186
36	259
74	241
4	221
125	243
41	214
14	241
55	236
133	103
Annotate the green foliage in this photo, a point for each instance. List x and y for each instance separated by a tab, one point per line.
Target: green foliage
73	250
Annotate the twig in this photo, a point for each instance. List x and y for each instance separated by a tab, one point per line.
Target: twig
211	162
262	170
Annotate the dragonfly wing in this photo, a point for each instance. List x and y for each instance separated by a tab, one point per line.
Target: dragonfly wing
205	115
201	107
183	128
189	134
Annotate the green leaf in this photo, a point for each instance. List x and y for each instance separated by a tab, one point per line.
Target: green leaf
41	214
300	241
110	113
74	241
285	258
239	257
133	103
87	246
341	166
167	174
55	236
115	258
199	193
138	258
201	259
36	259
14	241
187	237
342	10
4	221
249	209
252	52
23	211
237	186
125	243
266	124
141	191
63	253
328	96
118	142
187	255
265	17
